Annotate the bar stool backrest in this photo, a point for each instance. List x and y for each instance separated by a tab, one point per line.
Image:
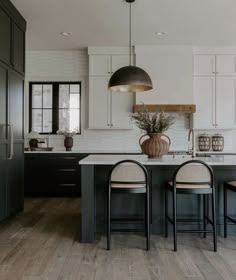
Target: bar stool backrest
128	171
194	171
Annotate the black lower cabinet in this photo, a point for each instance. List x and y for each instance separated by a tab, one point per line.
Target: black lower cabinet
52	174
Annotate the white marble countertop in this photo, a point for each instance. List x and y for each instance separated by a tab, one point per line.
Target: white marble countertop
87	152
166	160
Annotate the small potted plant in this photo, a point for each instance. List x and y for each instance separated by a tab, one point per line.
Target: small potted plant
68	133
154	125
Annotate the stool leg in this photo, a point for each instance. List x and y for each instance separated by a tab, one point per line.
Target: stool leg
204	215
166	212
109	219
148	220
214	221
174	220
225	211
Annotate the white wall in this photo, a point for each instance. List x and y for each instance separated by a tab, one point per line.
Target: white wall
73	66
170	68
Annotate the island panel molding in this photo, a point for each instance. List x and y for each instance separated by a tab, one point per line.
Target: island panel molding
168	108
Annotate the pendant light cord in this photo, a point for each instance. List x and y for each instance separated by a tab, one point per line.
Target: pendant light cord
130	46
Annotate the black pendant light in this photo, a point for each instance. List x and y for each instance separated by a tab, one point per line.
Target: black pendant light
130	78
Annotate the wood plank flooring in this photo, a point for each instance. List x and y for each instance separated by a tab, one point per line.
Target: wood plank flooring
42	243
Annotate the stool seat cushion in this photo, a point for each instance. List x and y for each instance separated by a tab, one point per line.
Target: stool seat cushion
190	186
123	186
232	183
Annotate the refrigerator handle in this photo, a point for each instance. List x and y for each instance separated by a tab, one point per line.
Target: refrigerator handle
11	142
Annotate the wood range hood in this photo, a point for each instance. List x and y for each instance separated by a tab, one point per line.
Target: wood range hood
167	108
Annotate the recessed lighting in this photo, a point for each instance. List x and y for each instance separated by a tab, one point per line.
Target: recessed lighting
65	33
161	33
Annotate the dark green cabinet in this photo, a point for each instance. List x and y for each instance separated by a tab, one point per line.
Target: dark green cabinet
12	36
5	35
12	48
18	49
54	174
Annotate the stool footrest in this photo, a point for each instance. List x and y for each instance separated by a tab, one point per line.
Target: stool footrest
127	230
194	231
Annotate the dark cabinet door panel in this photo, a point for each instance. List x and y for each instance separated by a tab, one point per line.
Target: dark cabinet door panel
3	102
16	99
5	35
18	49
3	180
15	182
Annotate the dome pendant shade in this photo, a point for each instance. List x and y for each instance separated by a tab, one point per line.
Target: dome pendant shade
130	79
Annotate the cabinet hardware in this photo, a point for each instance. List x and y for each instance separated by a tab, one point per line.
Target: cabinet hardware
111	124
11	142
67	170
67	185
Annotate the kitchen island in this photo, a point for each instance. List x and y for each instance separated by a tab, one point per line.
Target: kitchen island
94	175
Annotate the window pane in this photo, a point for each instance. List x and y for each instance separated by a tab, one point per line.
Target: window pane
75	119
64	96
37	96
47	96
37	120
47	121
74	88
64	119
69	119
74	101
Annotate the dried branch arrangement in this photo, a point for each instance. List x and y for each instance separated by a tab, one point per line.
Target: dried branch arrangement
158	122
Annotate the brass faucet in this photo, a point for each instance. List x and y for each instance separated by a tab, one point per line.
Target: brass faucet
193	150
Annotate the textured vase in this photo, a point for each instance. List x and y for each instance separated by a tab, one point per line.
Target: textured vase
68	143
155	146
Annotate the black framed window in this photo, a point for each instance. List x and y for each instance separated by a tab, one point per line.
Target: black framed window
54	106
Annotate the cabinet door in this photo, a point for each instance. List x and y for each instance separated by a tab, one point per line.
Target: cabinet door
204	98
118	61
15	181
18	49
225	102
204	65
99	103
3	142
121	109
5	35
3	103
226	65
16	98
100	65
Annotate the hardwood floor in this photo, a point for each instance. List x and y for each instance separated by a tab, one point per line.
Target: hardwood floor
42	244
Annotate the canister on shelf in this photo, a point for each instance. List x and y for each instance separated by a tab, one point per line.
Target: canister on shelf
217	143
204	142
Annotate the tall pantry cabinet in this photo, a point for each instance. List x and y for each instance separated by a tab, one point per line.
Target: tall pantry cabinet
12	64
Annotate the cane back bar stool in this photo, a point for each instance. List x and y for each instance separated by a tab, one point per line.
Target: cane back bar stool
192	177
128	176
228	186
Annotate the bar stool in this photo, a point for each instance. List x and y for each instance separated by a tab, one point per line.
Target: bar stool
128	176
228	186
192	177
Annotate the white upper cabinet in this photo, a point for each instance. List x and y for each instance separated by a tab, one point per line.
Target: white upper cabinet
214	92
210	65
204	65
105	65
107	110
204	98
225	102
99	103
226	65
100	65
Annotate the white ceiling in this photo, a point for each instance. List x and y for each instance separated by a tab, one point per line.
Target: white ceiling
105	22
